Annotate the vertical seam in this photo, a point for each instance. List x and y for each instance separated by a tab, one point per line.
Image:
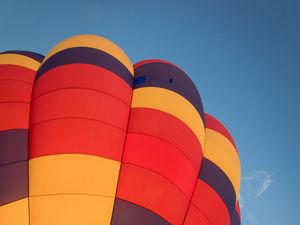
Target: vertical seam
190	203
121	160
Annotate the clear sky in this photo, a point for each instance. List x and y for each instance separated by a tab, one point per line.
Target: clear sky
244	57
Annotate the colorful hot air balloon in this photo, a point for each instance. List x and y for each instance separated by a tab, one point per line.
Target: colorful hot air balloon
86	138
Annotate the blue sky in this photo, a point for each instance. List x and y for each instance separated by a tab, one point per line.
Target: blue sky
244	57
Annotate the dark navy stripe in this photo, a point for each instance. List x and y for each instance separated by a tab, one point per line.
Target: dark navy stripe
87	55
13	182
13	165
13	145
164	75
127	213
33	55
217	179
235	218
139	80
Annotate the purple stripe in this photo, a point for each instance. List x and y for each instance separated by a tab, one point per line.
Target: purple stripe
127	213
87	55
13	145
164	75
217	179
33	55
13	182
235	218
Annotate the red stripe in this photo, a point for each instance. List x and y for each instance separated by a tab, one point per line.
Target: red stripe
168	128
79	108
12	90
151	191
16	72
210	204
195	217
214	124
14	115
76	136
83	76
163	158
237	208
81	103
15	87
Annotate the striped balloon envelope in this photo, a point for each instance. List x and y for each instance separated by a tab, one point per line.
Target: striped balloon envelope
87	138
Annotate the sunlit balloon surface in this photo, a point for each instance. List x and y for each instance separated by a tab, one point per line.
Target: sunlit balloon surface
87	138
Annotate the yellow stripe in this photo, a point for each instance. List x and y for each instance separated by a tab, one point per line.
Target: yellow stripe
220	151
172	103
73	173
19	60
93	41
15	213
70	210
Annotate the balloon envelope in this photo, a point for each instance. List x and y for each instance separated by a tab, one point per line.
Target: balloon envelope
88	138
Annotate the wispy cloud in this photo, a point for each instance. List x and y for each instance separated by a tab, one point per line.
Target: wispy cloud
252	220
241	201
257	183
254	185
264	185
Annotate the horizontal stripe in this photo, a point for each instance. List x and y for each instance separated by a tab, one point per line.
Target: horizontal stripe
96	42
76	135
14	182
139	80
196	217
83	76
235	218
84	55
13	145
127	213
217	179
80	103
210	204
33	55
214	124
163	158
152	192
73	173
167	128
16	73
165	75
221	152
14	115
20	60
71	209
12	90
15	213
172	103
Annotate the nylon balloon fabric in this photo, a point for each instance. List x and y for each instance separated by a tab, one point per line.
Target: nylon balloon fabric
88	138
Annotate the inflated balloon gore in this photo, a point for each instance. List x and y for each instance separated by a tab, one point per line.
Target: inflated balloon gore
87	138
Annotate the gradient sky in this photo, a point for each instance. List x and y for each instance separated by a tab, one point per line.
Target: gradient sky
244	57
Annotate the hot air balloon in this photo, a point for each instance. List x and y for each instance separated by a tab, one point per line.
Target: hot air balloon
87	138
